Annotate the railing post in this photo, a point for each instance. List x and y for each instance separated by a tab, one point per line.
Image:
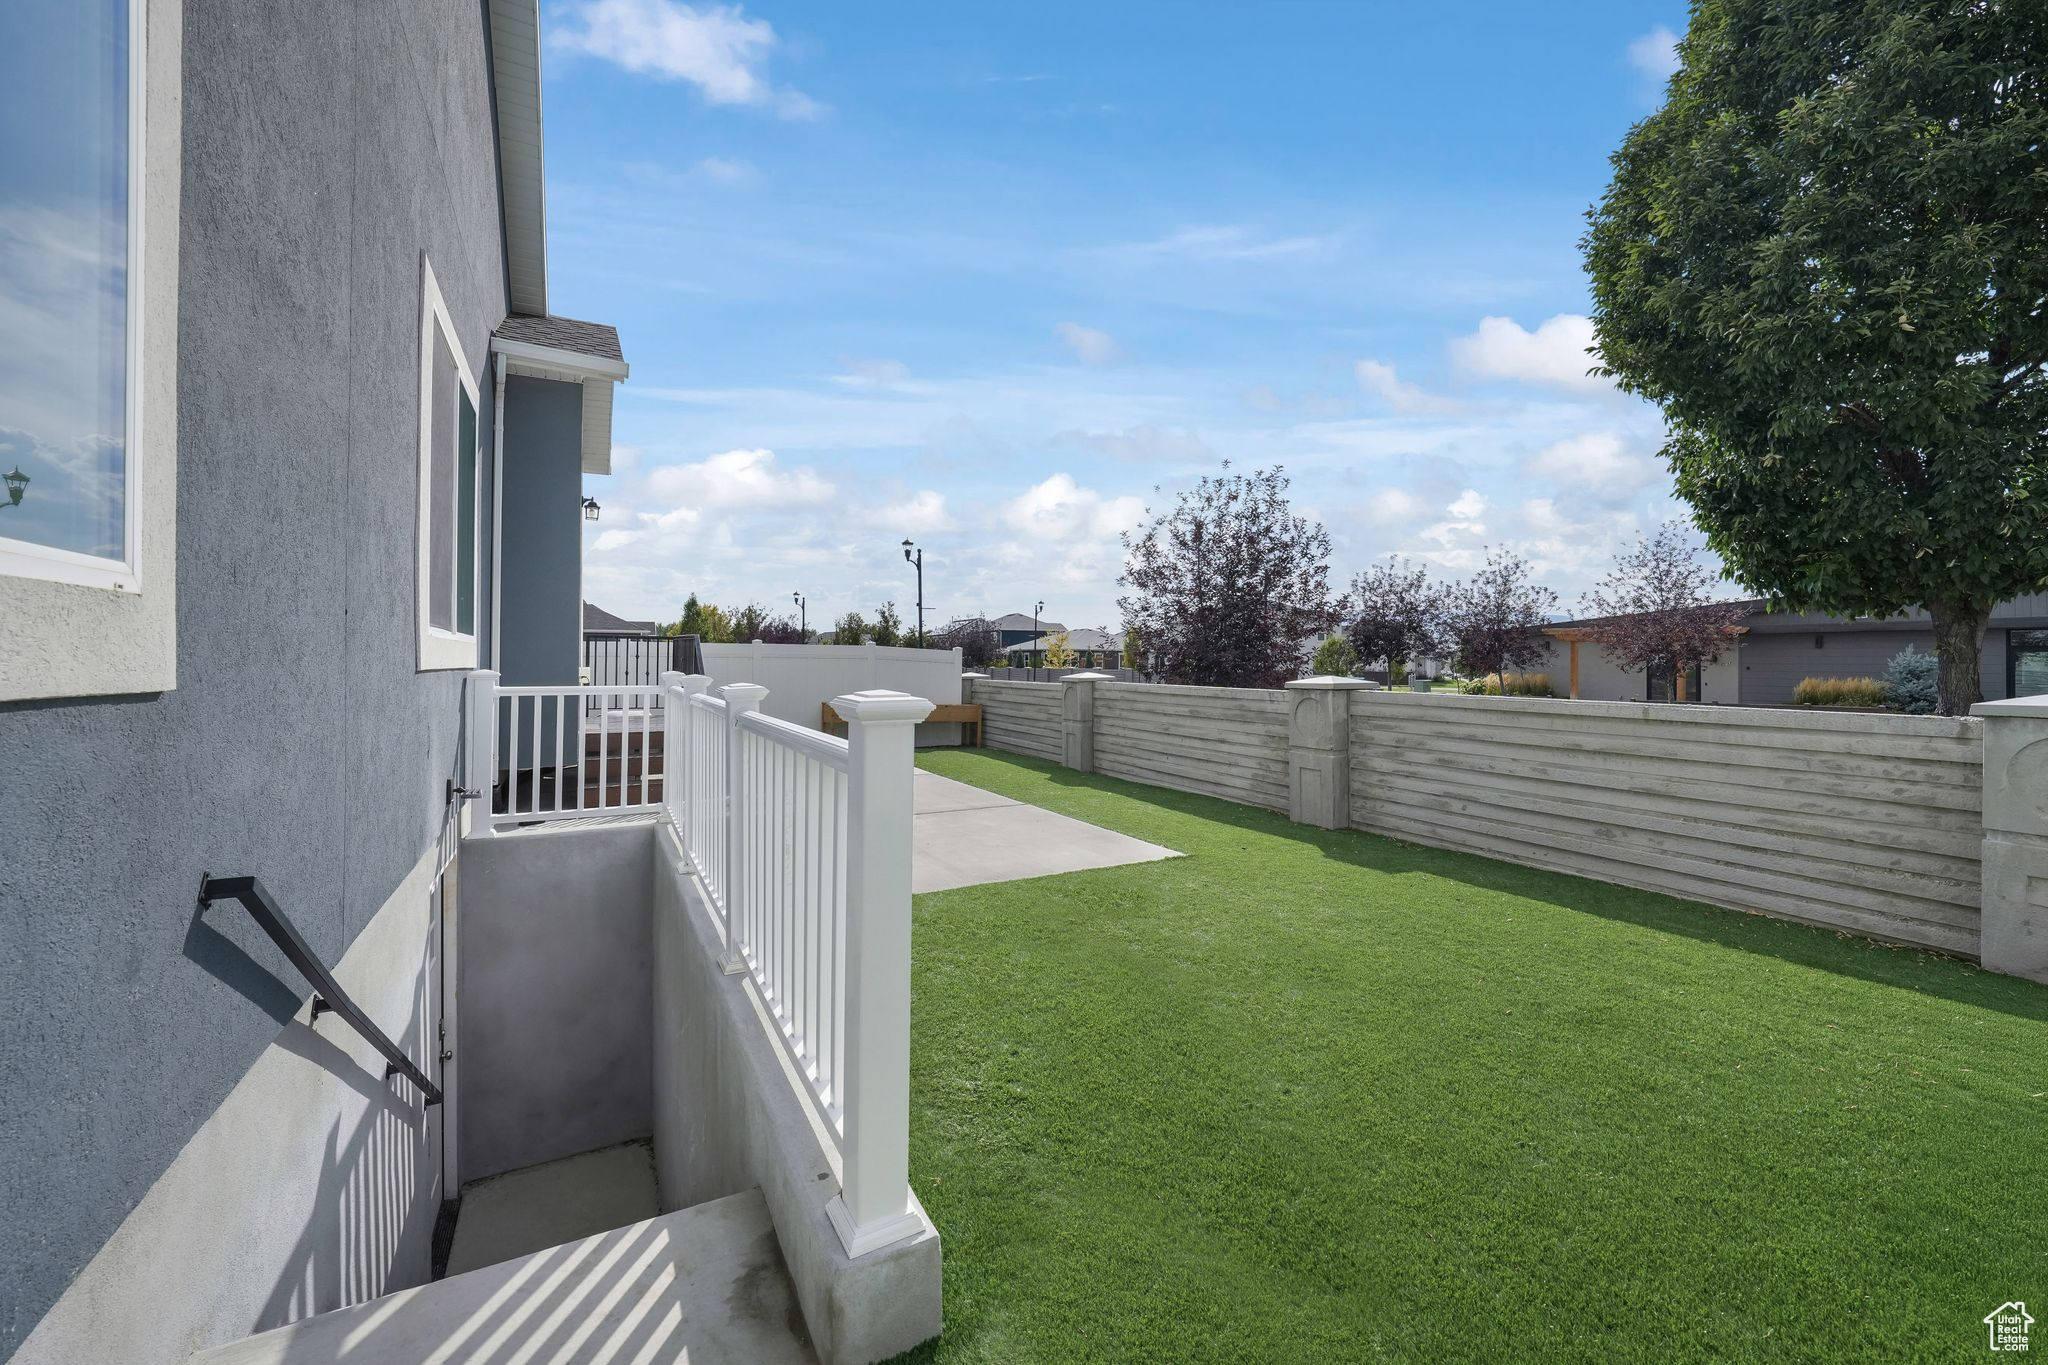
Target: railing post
2014	925
740	698
1077	719
873	1207
1319	750
674	732
480	744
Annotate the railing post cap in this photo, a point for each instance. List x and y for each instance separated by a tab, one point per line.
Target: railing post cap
974	675
1087	677
881	706
743	693
1331	682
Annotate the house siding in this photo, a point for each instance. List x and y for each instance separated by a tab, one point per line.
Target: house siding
325	149
1773	664
540	621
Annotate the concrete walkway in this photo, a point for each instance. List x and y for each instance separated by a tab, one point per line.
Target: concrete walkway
964	836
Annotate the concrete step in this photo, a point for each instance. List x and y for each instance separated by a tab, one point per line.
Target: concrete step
704	1284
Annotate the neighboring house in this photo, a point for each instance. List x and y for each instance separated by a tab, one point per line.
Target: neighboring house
337	447
598	621
1092	648
1764	663
1018	628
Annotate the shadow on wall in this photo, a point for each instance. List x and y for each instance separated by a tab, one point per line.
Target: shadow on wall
1788	941
367	1219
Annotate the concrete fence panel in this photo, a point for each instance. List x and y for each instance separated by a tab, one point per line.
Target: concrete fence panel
1022	717
1862	822
1219	741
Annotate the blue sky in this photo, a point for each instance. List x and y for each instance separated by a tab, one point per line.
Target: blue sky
988	276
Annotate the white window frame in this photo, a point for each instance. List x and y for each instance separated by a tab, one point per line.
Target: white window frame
442	648
25	558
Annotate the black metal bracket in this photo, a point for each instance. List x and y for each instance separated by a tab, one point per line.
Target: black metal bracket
327	992
456	793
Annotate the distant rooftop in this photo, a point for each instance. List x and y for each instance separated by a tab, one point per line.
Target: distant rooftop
598	621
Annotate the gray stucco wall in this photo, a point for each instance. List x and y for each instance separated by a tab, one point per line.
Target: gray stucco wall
326	147
542	618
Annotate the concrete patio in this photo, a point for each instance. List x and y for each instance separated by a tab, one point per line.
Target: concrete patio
964	836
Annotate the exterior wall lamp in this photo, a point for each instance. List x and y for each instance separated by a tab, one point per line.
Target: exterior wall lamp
590	509
17	484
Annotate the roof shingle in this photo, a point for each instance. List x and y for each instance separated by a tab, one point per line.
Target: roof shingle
564	334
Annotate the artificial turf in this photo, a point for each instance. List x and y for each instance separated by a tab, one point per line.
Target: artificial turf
1303	1095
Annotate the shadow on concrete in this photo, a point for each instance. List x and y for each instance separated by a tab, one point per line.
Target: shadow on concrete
1921	970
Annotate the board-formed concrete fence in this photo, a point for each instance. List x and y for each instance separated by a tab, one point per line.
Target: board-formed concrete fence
1922	830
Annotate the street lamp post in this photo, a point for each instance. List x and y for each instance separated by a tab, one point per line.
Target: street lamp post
1036	612
803	617
912	555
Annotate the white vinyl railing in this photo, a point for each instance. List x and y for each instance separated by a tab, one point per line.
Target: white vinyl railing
554	753
801	842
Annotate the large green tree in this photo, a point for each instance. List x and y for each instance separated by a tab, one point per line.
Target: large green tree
1826	257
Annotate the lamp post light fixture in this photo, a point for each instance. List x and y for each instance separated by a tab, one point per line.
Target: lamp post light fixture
590	509
803	617
913	555
17	484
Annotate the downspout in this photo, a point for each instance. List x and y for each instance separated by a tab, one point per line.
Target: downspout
497	509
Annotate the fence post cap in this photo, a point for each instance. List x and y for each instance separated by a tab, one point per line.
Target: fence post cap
881	706
2012	706
974	675
744	693
1087	677
1331	682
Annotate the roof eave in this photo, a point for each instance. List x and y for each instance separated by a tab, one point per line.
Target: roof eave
515	94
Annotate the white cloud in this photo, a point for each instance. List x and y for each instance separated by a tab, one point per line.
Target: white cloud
734	481
1469	505
729	170
1090	347
1144	443
1231	243
1598	465
1655	54
1060	510
1394	506
716	48
1375	377
1559	352
873	374
921	514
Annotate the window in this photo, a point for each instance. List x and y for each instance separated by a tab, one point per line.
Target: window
70	264
448	489
2026	663
1663	682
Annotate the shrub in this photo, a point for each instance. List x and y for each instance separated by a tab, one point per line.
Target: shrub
1513	685
1912	683
1335	658
1840	692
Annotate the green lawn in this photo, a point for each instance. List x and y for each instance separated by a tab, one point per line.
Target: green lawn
1324	1096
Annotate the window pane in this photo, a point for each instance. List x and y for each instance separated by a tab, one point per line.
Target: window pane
465	531
441	498
64	272
2029	661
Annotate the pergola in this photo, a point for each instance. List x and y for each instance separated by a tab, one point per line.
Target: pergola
1578	635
